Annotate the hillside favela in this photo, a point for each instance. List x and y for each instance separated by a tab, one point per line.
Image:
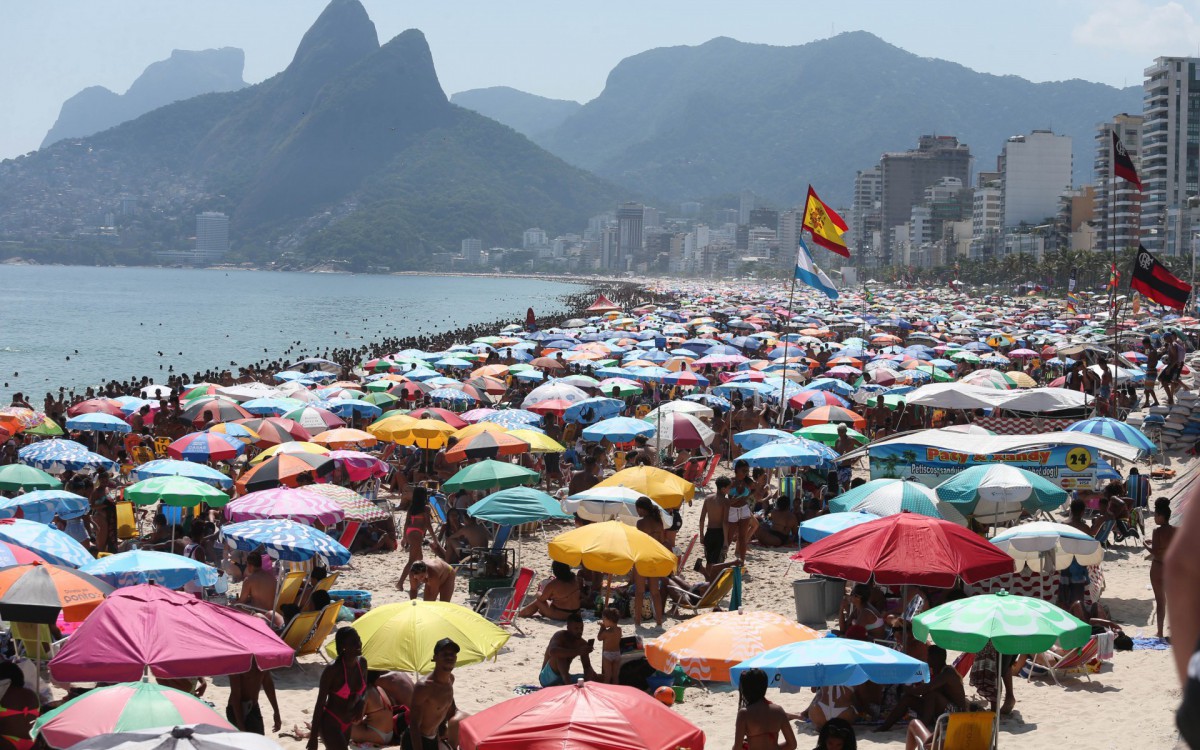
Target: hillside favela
575	376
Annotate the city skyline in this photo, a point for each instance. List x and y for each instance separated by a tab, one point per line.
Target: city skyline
62	47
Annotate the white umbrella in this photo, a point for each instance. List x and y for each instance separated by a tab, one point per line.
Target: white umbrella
188	737
155	391
551	391
694	408
1027	543
609	504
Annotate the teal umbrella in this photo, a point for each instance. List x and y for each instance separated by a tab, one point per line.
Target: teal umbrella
490	475
15	477
887	497
999	492
518	505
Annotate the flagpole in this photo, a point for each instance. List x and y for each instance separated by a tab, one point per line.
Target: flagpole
783	397
1112	223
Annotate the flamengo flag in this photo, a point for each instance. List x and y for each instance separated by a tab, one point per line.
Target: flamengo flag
1156	283
808	272
826	226
1122	164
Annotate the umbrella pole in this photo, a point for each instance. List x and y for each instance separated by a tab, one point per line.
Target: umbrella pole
607	588
783	394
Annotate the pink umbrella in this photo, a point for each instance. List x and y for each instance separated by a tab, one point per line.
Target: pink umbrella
291	503
174	635
359	465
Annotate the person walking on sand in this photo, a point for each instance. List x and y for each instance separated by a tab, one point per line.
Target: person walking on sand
1157	545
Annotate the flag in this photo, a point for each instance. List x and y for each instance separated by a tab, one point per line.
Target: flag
1153	280
1122	164
808	272
1070	308
826	226
1137	304
1114	276
1071	283
868	295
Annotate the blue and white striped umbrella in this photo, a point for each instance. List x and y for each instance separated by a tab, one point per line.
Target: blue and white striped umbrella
169	467
43	505
57	456
347	407
816	529
271	407
54	546
794	451
98	422
751	439
147	566
513	419
592	410
618	430
887	497
1117	430
285	540
451	395
713	402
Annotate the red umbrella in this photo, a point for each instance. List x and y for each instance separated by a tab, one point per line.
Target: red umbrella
906	549
585	716
174	634
554	406
441	415
97	405
486	445
833	415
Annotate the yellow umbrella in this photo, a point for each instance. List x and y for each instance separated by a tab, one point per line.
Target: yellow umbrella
426	433
708	645
392	428
472	430
241	432
402	636
663	487
296	446
1021	379
613	547
538	442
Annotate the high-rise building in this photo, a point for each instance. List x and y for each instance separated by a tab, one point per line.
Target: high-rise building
1118	206
472	252
534	238
212	236
1170	151
906	174
764	217
747	202
865	214
986	214
1035	170
790	226
651	217
630	222
610	251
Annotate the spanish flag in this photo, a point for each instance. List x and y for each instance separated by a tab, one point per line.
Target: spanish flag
826	226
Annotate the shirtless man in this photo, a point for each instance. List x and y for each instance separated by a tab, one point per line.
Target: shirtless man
432	704
713	520
560	599
931	699
242	710
460	543
844	445
258	590
563	648
438	577
879	419
399	688
780	526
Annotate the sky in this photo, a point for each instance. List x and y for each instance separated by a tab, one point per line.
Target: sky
50	49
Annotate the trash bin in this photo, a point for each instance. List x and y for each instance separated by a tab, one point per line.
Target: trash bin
835	591
810	601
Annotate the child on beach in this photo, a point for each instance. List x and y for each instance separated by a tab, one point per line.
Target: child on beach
610	645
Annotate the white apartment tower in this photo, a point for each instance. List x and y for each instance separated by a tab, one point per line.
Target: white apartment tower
1035	170
1169	151
212	236
1118	202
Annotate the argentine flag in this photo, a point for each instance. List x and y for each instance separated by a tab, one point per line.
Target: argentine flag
808	272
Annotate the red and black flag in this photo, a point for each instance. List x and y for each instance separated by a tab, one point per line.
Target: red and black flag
1122	164
1153	280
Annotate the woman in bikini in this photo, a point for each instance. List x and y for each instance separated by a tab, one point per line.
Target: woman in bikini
858	619
1157	546
18	709
759	722
739	507
831	702
649	522
341	694
416	525
378	725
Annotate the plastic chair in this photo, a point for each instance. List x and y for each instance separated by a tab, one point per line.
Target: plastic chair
501	605
127	527
289	590
160	446
973	730
325	623
34	639
141	454
716	592
297	630
712	469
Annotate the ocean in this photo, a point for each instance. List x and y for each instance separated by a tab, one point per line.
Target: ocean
80	326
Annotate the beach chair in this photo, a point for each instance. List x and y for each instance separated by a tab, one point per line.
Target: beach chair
963	664
141	454
1074	663
712	598
437	508
325	623
349	533
710	470
500	605
327	583
296	631
289	590
160	446
687	553
127	526
969	730
33	639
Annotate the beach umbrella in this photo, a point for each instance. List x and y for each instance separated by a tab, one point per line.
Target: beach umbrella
1116	430
98	422
990	379
833	415
15	554
235	430
679	407
203	412
828	434
439	415
816	529
1013	625
186	737
359	466
834	661
283	469
169	467
514	419
751	439
345	437
614	548
490	475
584	716
275	430
349	407
429	434
517	505
539	442
402	636
609	504
314	419
486	444
667	489
707	647
43	505
886	497
354	506
680	430
124	707
179	492
906	549
62	455
294	504
592	410
271	406
39	591
202	447
618	430
138	566
46	428
1029	542
108	406
553	391
999	492
172	634
285	540
294	447
791	451
53	546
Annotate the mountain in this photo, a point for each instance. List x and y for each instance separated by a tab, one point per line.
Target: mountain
353	152
181	76
528	114
691	122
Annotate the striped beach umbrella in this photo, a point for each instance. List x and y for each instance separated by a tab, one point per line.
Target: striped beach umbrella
887	497
139	566
283	469
285	540
39	592
486	444
1116	430
998	492
177	492
202	447
708	646
813	399
54	546
170	467
833	415
44	505
18	477
314	419
98	422
354	506
276	430
57	456
203	412
294	504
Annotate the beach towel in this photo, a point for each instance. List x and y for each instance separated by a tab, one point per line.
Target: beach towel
1150	644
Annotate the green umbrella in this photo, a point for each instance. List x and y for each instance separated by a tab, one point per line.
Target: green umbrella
518	505
176	491
828	434
999	490
1013	624
490	475
47	428
962	355
383	400
22	477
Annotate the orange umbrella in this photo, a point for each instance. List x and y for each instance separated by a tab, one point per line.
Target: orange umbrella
708	645
282	469
345	437
833	415
492	371
487	444
39	591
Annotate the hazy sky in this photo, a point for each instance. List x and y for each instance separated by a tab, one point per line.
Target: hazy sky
50	49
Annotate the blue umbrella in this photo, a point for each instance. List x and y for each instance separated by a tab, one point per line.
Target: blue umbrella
451	394
147	566
820	527
55	547
830	384
751	439
98	422
513	419
169	467
1117	430
272	407
285	540
532	376
516	506
592	410
56	456
347	407
834	661
43	505
618	430
792	452
714	402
